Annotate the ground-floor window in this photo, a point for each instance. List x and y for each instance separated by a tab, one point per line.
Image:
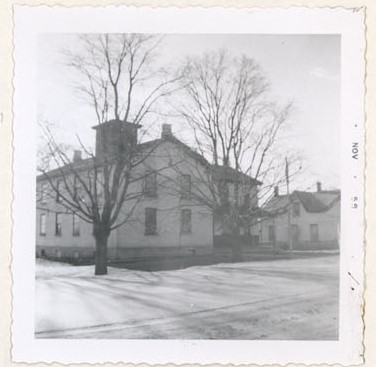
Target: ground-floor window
295	233
76	225
58	224
42	229
150	221
314	232
271	233
186	221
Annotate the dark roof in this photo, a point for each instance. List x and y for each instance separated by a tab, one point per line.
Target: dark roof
276	204
313	202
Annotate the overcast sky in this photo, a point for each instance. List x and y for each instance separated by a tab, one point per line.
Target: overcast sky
304	69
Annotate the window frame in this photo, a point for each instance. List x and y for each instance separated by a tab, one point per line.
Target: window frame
58	188
58	225
271	233
76	232
43	193
295	209
151	229
44	226
98	176
314	235
77	189
185	185
153	191
295	231
183	223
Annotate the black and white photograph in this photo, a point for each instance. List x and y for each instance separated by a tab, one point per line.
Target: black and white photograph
191	186
200	175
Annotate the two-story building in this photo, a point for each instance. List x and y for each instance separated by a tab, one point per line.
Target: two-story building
304	220
171	213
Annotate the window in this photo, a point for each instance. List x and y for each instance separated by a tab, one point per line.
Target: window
295	233
271	234
100	185
185	186
224	190
314	232
77	189
295	209
150	185
42	229
58	190
58	224
150	221
186	221
43	193
246	202
76	225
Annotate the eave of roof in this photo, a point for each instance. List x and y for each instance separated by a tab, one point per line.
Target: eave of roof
229	173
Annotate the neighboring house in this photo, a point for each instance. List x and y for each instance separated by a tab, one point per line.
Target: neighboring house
314	219
169	218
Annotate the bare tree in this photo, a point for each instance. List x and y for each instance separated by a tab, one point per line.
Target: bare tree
225	102
114	74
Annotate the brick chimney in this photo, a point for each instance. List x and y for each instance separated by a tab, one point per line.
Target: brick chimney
276	191
115	137
77	155
318	186
166	130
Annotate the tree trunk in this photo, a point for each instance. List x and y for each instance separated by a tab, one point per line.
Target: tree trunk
101	238
237	246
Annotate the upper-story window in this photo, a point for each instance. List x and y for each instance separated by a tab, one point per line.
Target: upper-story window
76	189
186	184
246	201
150	185
43	193
100	185
296	209
59	184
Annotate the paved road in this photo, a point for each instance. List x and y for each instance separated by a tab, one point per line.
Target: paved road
284	300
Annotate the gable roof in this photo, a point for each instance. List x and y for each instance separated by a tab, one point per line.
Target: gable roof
313	202
229	174
152	143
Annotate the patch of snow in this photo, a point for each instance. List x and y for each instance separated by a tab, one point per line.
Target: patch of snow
281	299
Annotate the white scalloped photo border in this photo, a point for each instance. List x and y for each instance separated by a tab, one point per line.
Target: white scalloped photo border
349	23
